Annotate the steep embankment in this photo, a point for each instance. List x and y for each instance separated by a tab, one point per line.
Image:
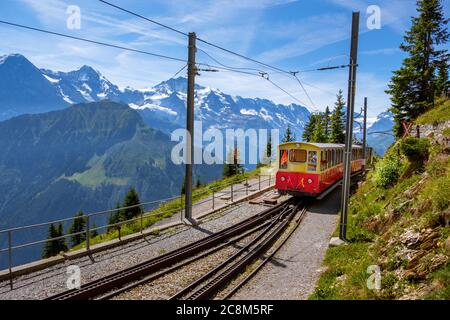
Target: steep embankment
399	223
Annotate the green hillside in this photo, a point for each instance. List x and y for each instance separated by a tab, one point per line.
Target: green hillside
84	157
399	220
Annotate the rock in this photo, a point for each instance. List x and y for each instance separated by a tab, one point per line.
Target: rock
341	278
414	261
447	245
438	261
410	239
444	218
428	264
428	239
336	242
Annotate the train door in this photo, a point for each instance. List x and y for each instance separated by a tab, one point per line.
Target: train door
284	158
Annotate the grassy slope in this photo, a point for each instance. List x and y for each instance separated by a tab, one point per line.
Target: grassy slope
379	220
439	114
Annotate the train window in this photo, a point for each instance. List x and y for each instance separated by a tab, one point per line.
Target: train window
283	159
323	161
296	155
312	160
330	164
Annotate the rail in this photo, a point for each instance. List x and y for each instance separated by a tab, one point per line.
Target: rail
144	269
143	219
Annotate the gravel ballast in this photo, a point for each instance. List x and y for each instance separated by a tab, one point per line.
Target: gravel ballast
52	280
295	269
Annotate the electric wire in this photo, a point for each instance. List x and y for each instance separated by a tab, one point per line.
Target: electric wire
274	68
91	41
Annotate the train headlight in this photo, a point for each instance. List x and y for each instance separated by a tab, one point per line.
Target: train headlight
309	181
283	179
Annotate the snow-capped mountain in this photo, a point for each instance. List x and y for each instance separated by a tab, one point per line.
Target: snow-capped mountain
162	107
218	110
88	85
26	89
380	133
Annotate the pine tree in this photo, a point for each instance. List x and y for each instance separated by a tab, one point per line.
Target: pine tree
337	134
269	149
115	217
50	248
131	200
54	246
413	86
327	123
319	131
94	231
78	225
308	131
289	136
233	166
61	242
198	183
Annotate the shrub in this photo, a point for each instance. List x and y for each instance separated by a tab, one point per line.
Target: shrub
415	149
387	173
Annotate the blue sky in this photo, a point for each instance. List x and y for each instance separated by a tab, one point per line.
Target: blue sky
292	34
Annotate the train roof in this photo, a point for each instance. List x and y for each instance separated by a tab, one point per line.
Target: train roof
321	145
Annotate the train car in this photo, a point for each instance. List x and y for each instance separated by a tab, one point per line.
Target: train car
309	169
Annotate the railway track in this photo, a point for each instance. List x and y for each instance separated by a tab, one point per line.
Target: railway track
212	282
120	281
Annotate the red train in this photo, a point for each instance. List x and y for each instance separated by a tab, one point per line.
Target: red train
309	169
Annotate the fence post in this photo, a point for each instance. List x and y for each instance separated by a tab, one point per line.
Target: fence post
120	235
181	208
246	185
213	200
10	258
270	176
88	234
142	222
232	199
259	182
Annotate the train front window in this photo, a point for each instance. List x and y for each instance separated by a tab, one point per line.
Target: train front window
283	159
297	155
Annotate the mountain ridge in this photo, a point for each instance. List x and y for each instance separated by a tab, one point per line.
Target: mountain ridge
163	106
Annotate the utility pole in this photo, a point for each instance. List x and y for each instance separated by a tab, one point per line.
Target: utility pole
349	127
365	132
192	71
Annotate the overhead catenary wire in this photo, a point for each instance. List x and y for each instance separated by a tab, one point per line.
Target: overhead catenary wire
304	90
233	69
101	43
91	41
178	72
226	66
198	39
145	18
263	75
274	68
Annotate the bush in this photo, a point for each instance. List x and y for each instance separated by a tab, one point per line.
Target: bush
388	172
415	149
